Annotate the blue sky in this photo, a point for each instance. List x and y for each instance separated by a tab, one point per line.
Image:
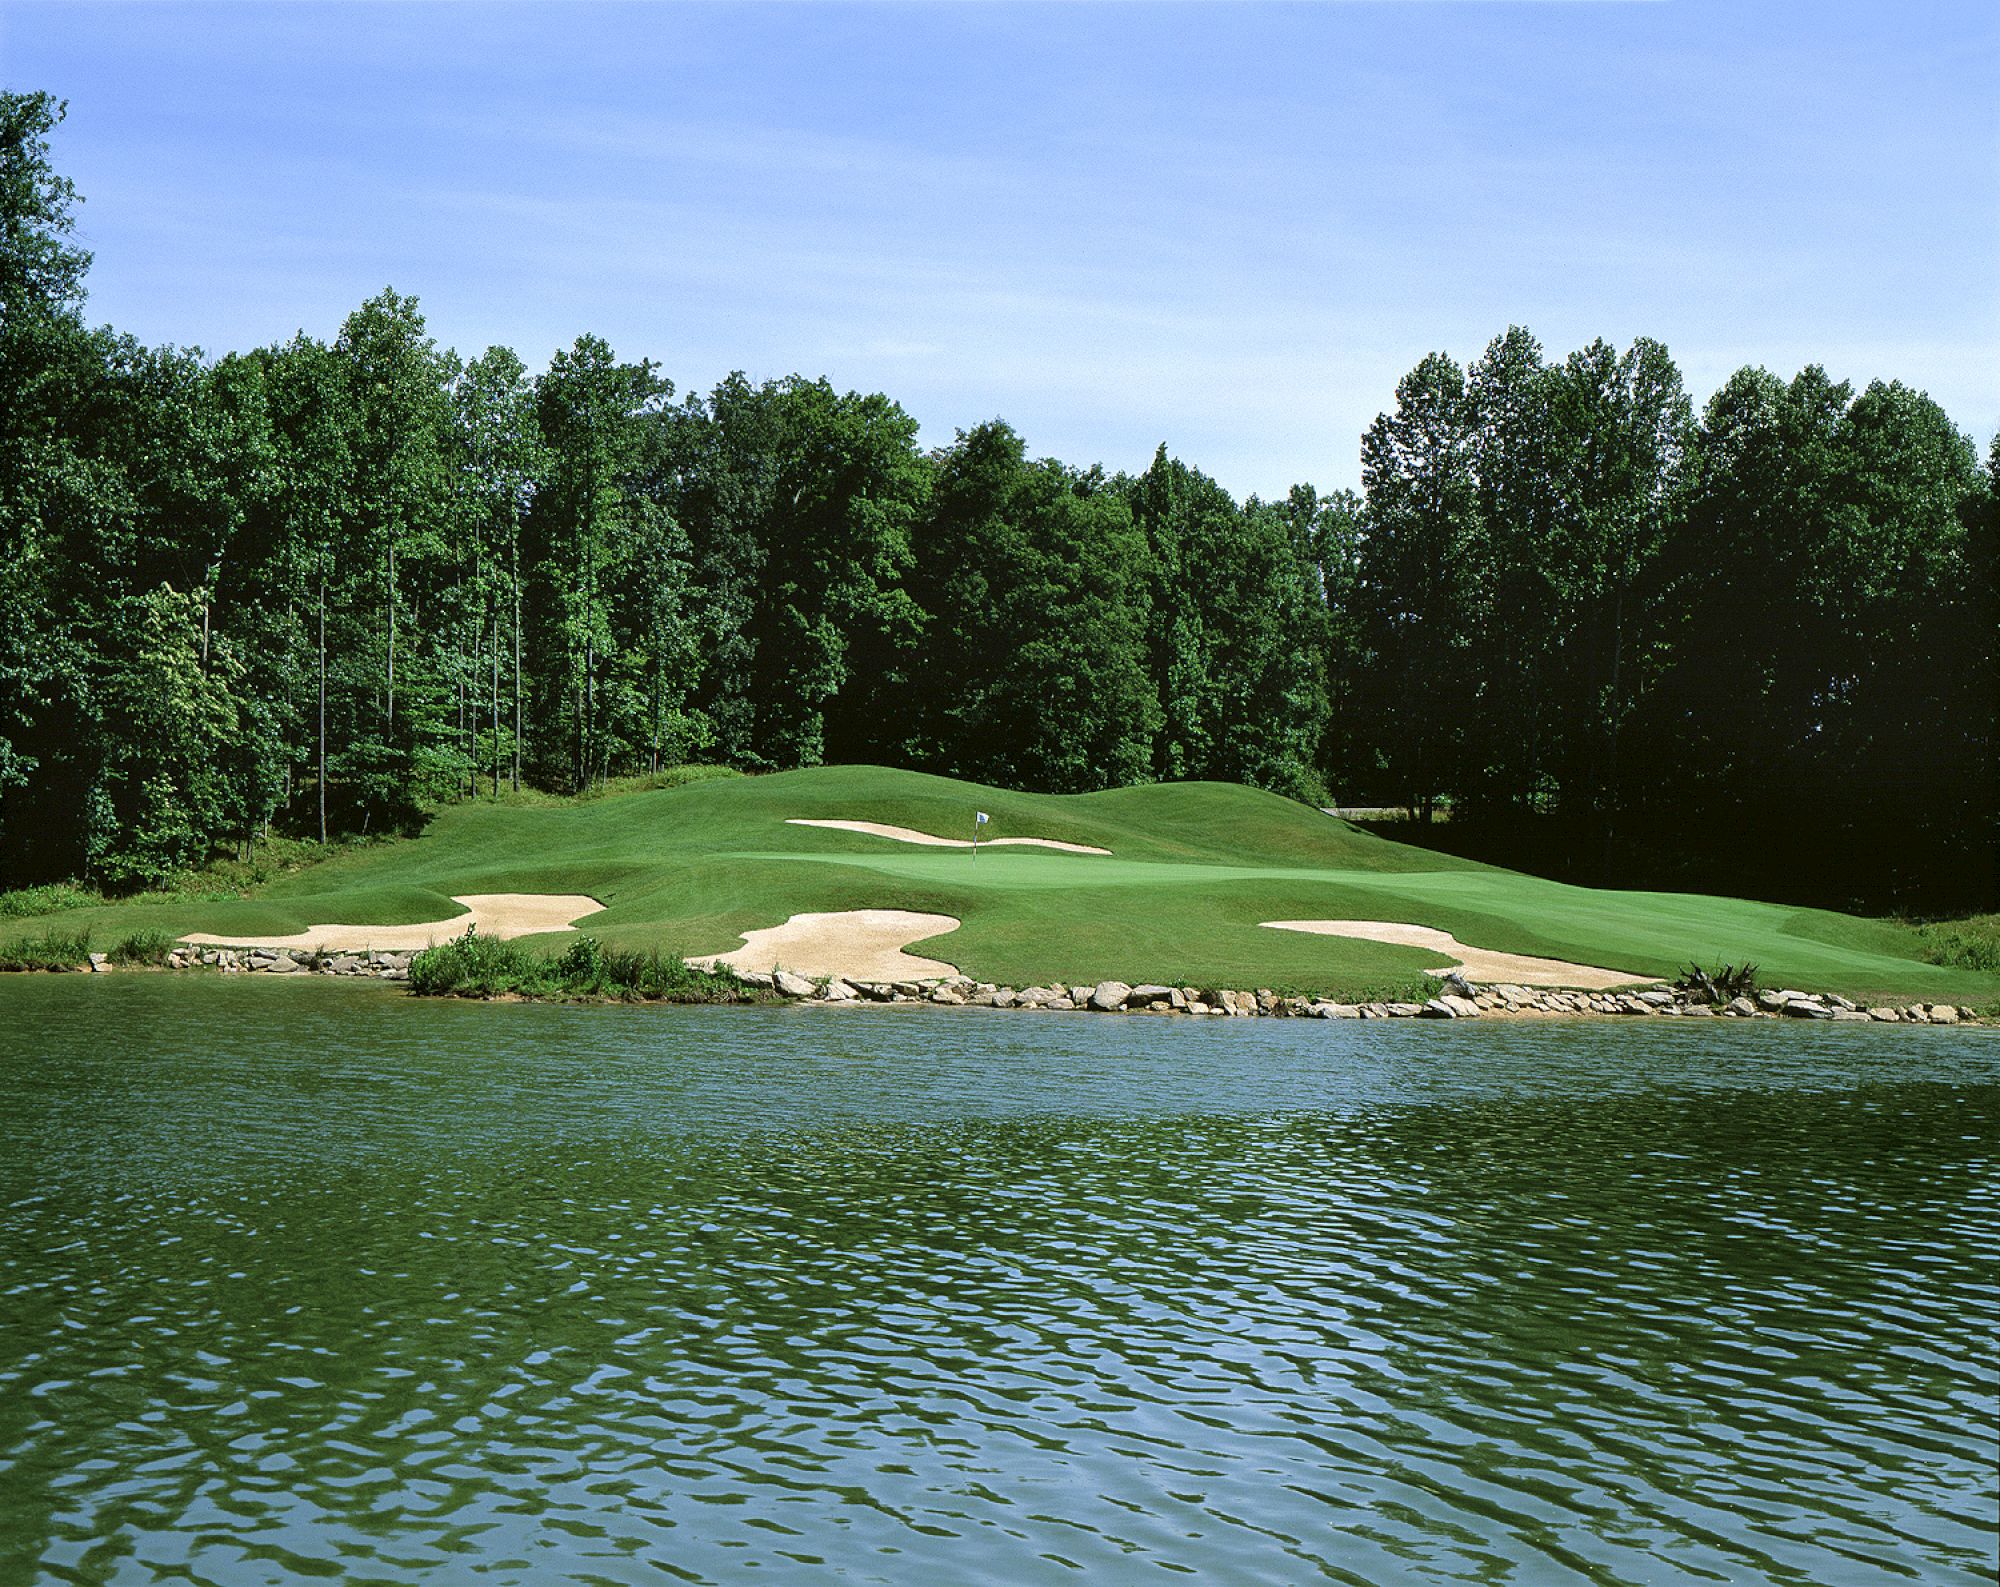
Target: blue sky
1227	228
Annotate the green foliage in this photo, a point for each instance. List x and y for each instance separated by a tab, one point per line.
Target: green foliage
475	966
1034	664
327	588
1969	944
53	950
47	899
144	947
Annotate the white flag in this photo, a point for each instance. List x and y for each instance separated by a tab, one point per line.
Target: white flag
982	819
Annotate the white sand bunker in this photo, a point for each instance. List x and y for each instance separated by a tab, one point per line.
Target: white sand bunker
911	835
495	914
866	944
1479	964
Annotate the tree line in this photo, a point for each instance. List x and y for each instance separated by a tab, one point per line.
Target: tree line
324	586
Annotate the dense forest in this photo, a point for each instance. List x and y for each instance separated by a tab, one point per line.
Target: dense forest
322	586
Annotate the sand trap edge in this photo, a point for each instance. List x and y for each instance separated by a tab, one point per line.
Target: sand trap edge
1478	964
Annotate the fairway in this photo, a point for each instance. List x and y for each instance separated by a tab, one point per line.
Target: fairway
1192	870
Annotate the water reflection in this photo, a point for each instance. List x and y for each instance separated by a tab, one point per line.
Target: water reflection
334	1285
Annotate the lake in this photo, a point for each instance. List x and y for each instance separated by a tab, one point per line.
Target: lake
319	1281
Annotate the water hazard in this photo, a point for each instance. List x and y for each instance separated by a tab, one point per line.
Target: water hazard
318	1281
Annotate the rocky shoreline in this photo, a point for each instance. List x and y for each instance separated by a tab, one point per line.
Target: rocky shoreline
1457	997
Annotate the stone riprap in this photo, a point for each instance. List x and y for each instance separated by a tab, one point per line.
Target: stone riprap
1457	997
382	965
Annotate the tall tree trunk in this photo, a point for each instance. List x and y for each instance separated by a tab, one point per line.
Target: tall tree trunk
322	710
391	610
517	661
1615	710
496	700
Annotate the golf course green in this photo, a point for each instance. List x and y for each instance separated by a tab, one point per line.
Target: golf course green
1192	870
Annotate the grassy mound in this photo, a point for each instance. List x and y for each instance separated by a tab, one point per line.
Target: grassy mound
1193	868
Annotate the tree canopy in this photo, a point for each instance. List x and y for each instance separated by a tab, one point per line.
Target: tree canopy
324	585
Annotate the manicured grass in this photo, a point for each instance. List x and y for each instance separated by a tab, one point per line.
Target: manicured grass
1193	868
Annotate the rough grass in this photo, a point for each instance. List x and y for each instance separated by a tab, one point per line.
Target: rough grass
23	903
1969	944
51	950
476	966
1193	868
149	946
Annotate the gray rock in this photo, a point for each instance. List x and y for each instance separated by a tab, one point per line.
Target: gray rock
1463	1007
1108	996
1807	1008
948	997
790	985
838	991
1887	1016
1772	1002
1943	1014
1741	1007
1658	998
1403	1010
1061	1004
1146	996
1456	984
1852	1015
99	963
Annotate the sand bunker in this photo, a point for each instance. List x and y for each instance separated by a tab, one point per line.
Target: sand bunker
1479	964
911	835
865	944
495	914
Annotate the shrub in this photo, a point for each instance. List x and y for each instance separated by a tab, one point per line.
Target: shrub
1720	986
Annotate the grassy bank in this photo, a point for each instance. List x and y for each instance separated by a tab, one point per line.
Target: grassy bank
1193	868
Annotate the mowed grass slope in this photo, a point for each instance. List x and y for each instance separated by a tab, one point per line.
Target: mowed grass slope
1194	867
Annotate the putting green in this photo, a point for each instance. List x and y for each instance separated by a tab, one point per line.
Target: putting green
1193	869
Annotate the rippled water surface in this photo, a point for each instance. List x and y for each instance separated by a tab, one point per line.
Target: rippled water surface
317	1281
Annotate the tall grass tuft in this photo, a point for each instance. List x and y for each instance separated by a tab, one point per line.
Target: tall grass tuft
145	947
53	950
